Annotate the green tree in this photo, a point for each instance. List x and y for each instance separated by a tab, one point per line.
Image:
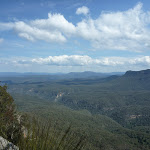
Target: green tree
10	122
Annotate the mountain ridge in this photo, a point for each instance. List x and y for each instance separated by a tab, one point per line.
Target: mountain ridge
135	73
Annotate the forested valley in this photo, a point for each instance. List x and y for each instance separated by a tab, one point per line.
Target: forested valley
97	111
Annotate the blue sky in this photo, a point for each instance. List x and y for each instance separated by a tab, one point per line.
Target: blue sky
74	35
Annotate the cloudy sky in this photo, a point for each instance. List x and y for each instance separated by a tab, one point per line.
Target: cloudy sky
74	35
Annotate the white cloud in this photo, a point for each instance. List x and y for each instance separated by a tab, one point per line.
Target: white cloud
84	60
143	61
82	10
54	29
68	63
123	30
54	22
128	30
65	60
33	33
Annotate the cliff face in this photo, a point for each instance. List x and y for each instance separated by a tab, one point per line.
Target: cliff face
6	145
138	73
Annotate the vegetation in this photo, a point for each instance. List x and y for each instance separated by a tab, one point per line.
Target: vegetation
10	126
43	136
113	112
31	134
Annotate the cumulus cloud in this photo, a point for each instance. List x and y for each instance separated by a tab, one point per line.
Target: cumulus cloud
82	10
64	60
84	60
122	30
128	30
68	63
143	61
54	29
54	22
33	33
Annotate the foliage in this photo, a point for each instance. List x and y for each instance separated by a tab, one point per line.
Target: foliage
10	127
114	112
32	134
39	135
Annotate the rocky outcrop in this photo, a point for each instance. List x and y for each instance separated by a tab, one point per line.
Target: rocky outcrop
138	73
6	145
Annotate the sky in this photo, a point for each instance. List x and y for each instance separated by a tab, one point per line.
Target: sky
74	35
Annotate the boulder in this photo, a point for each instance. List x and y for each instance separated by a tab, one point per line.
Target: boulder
6	145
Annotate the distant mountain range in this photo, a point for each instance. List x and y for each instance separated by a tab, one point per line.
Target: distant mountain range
85	74
12	74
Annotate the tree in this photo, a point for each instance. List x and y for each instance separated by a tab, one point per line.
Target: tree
10	125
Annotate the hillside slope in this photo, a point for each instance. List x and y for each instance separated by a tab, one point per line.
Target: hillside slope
116	107
102	133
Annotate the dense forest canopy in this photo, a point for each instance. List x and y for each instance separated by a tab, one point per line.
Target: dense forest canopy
104	109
